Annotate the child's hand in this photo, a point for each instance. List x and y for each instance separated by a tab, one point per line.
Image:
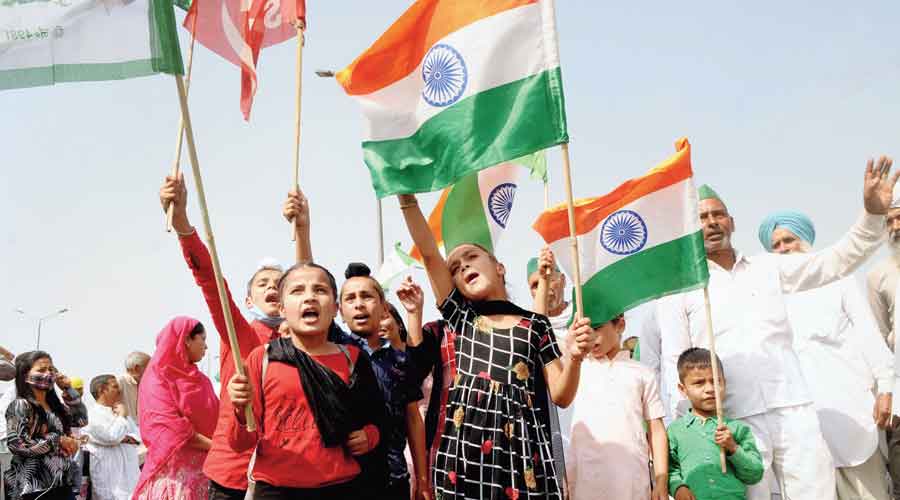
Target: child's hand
659	494
725	440
584	337
239	391
684	493
546	262
296	209
411	296
358	443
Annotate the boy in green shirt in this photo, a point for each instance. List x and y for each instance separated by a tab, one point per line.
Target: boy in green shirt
695	439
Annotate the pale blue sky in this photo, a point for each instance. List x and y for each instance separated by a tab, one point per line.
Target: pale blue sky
782	101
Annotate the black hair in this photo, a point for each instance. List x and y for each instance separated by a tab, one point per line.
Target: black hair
98	384
196	330
696	358
402	327
24	362
360	270
302	265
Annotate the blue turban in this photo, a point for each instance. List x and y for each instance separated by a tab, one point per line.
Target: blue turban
794	222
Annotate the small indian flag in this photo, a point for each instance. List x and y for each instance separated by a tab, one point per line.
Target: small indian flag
638	243
43	42
396	264
475	210
454	87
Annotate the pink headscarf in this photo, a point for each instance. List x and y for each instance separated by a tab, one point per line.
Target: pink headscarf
175	398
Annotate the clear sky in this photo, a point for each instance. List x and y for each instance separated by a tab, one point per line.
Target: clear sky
782	101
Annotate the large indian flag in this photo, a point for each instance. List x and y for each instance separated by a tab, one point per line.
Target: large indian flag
454	87
638	243
43	42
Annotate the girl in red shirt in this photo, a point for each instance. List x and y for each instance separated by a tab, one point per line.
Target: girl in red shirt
319	411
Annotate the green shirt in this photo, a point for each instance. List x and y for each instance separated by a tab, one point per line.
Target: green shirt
694	459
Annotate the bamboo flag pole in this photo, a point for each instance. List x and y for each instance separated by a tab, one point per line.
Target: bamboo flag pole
176	164
380	216
570	202
301	30
210	242
715	370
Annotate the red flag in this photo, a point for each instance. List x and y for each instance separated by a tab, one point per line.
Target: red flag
238	29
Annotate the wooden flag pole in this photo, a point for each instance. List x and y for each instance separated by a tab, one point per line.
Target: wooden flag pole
380	216
715	370
301	30
176	164
570	202
210	242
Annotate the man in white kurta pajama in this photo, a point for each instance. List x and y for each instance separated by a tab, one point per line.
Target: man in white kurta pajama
844	359
112	443
754	340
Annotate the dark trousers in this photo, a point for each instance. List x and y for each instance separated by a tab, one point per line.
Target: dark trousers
345	491
63	493
893	439
219	492
397	489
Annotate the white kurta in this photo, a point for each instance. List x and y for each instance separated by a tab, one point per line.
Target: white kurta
114	466
753	336
844	359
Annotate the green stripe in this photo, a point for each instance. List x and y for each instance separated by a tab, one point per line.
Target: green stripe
480	131
48	75
184	5
164	47
676	266
463	218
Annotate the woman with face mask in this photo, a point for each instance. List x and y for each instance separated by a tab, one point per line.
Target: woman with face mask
38	431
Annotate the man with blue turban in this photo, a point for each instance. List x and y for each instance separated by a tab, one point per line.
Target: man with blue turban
843	357
766	388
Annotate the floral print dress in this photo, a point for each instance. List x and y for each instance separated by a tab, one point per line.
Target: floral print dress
496	439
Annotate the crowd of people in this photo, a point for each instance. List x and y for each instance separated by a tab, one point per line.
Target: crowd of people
492	400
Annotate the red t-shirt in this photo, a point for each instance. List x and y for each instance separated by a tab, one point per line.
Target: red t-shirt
291	453
224	465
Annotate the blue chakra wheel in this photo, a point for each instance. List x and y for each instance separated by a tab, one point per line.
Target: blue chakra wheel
623	233
500	203
445	75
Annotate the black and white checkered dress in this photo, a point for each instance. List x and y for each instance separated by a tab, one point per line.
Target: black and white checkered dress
496	440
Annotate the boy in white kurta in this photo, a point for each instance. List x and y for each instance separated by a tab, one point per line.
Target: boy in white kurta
609	455
112	443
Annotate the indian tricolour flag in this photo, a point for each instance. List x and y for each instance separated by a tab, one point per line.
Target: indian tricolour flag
454	87
43	42
637	243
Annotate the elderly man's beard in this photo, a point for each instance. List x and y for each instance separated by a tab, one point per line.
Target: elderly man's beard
894	245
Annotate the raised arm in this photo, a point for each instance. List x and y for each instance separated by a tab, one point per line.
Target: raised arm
413	299
296	210
198	260
545	268
435	265
801	272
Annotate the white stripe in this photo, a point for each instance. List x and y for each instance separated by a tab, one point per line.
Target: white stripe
488	179
497	50
669	214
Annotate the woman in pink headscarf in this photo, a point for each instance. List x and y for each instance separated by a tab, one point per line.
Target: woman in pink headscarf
178	415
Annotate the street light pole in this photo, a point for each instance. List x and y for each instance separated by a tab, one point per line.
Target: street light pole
41	321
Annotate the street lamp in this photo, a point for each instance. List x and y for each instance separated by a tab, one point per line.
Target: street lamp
41	320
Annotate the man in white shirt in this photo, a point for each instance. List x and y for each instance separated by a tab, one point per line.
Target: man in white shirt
882	280
766	388
844	359
112	442
135	364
